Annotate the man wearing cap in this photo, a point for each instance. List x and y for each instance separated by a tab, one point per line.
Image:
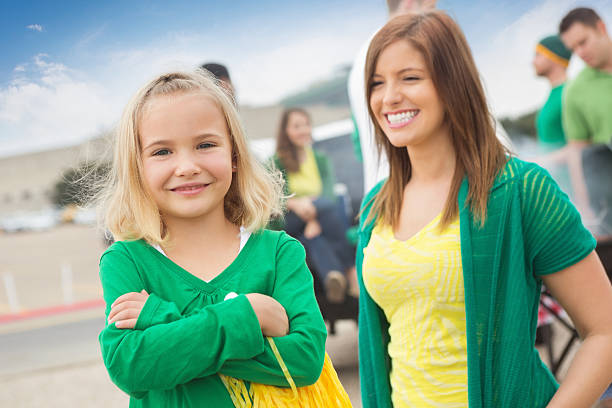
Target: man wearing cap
550	61
587	114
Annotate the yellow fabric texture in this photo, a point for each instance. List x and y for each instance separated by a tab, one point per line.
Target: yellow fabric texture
307	181
418	283
326	392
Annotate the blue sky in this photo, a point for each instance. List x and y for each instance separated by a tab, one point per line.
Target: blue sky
68	67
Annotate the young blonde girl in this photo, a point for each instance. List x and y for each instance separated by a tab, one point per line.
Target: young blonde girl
194	282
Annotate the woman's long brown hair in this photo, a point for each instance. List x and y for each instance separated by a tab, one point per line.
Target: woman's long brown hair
480	155
286	151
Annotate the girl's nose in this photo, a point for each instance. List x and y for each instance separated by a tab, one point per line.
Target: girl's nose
187	166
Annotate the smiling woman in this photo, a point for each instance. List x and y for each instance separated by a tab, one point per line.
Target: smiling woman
454	246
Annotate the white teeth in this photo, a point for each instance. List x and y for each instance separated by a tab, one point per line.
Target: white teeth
403	117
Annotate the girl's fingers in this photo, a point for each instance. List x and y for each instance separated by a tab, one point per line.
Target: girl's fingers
130	296
128	304
126	324
125	314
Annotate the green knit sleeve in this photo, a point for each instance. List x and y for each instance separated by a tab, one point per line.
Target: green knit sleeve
303	349
153	357
553	232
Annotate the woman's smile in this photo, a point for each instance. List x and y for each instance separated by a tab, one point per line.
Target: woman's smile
401	118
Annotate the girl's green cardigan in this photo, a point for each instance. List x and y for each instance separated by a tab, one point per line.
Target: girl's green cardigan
531	229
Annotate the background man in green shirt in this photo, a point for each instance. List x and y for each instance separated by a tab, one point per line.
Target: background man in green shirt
587	115
550	61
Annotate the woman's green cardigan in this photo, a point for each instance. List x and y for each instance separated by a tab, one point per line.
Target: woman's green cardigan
531	229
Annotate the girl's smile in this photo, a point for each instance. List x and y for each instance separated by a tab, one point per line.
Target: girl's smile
189	188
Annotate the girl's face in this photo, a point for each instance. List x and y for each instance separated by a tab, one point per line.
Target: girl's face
404	99
186	155
298	129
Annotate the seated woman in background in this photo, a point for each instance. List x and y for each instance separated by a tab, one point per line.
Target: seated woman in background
314	216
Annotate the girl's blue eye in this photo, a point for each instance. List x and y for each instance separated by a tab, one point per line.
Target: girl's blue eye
161	152
205	145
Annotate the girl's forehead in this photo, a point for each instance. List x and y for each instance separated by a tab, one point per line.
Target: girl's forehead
182	111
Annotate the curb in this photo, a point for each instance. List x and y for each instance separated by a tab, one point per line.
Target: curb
50	311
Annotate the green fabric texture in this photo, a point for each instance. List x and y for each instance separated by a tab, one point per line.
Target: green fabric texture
549	123
587	107
187	333
554	44
328	179
355	139
529	221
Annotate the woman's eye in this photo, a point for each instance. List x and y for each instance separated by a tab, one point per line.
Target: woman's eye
161	152
205	145
411	78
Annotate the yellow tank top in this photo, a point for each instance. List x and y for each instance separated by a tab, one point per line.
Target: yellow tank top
307	181
418	283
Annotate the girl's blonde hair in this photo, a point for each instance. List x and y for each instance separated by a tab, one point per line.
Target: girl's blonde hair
129	212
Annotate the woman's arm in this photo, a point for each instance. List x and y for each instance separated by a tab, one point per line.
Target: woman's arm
585	293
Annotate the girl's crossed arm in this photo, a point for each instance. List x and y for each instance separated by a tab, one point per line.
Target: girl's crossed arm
302	349
162	356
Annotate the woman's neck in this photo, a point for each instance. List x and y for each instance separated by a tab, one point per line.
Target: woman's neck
434	160
301	153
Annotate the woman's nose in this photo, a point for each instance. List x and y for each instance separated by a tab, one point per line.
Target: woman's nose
391	95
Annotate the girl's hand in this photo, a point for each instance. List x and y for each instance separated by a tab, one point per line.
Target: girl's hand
271	315
126	309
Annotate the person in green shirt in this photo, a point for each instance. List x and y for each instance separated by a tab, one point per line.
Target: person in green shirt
194	284
587	115
516	231
550	61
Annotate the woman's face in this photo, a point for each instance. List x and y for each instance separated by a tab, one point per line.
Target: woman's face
404	99
298	129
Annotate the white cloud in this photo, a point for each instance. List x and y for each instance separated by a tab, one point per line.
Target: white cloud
505	63
35	27
48	105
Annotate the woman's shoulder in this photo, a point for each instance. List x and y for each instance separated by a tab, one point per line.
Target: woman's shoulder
521	171
367	199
